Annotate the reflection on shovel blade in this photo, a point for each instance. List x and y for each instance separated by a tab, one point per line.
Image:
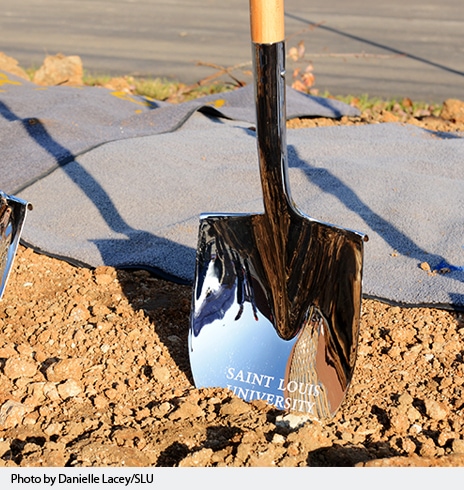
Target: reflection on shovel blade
12	215
234	340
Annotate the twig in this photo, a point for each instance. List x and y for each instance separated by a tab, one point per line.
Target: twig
222	70
310	27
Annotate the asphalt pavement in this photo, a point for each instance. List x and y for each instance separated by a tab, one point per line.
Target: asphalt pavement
400	48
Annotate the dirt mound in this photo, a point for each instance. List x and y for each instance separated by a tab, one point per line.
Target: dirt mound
94	371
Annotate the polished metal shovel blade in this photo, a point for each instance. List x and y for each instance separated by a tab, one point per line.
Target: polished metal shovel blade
12	215
234	337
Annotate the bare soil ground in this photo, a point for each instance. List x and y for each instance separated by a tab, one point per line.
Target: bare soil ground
94	371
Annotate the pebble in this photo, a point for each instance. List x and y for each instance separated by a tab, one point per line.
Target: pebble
425	266
458	446
453	110
292	420
198	458
278	439
187	410
64	369
11	414
69	389
161	374
435	410
51	392
405	401
400	423
18	367
235	406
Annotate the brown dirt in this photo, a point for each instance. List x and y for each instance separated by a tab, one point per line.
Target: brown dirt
94	371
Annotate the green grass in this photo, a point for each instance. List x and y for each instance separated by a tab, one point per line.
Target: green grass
163	89
365	102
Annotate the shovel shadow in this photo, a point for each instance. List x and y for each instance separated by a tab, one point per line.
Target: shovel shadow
101	199
331	184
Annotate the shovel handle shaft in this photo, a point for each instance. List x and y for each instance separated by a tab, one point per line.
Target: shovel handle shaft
269	67
267	21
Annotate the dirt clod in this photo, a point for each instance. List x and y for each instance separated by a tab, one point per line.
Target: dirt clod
453	110
60	70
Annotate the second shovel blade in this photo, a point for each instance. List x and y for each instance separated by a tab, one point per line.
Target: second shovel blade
12	215
234	342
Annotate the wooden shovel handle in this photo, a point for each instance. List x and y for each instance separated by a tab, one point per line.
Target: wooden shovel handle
267	21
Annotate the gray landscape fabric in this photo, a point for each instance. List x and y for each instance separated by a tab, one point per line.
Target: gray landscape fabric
120	180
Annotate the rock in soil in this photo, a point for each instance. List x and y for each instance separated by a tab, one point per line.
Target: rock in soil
60	70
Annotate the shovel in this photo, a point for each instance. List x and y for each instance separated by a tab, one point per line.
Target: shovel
12	215
277	296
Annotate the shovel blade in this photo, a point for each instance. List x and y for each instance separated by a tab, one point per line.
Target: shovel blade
12	215
234	338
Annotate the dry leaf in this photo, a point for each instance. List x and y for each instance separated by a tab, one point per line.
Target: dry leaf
293	53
